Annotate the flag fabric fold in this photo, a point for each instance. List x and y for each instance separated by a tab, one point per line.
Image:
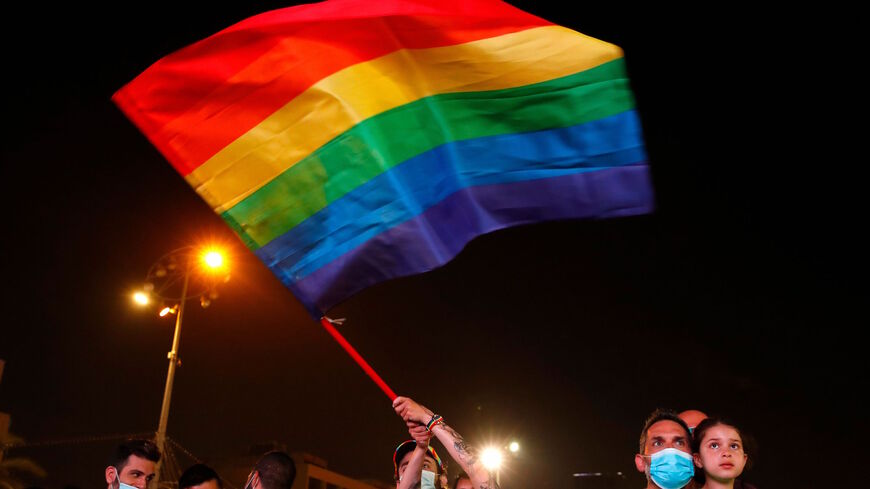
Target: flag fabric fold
349	142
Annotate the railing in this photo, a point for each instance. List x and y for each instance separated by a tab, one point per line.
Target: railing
310	476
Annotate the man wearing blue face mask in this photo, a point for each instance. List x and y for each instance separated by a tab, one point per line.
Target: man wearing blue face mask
133	466
665	451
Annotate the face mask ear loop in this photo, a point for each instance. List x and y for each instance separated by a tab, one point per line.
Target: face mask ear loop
250	484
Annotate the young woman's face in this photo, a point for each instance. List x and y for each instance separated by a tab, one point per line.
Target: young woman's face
721	456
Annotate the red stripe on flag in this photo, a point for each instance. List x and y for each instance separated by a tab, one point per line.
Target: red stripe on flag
194	102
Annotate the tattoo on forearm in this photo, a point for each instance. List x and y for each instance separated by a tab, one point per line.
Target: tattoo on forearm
468	456
465	451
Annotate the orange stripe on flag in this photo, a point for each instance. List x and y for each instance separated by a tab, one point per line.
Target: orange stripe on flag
193	103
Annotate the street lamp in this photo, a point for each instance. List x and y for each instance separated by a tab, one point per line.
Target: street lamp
174	278
492	458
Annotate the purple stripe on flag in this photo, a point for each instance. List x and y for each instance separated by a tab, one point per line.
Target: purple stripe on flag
434	237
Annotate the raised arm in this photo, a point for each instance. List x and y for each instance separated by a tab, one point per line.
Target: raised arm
417	415
411	473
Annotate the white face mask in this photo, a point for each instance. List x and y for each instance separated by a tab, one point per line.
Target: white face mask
121	485
427	480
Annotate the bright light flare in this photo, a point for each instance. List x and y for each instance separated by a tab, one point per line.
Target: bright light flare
141	298
491	458
514	447
213	259
166	310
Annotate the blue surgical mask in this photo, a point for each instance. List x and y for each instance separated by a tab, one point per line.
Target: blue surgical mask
121	485
671	468
427	480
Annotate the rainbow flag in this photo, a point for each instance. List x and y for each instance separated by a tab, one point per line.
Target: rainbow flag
349	142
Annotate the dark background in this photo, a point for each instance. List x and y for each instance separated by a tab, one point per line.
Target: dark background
740	295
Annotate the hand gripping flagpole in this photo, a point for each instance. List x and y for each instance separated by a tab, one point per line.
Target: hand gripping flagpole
327	325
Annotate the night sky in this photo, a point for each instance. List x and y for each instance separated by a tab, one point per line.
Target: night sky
738	296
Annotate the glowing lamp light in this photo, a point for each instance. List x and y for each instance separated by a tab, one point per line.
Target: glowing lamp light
214	259
141	298
514	447
166	310
491	458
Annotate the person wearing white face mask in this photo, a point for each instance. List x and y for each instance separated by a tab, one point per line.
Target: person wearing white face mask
417	465
423	424
665	451
133	465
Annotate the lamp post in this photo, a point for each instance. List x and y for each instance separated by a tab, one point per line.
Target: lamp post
169	282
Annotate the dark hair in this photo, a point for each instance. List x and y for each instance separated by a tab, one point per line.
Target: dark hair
661	414
141	448
277	470
196	475
459	478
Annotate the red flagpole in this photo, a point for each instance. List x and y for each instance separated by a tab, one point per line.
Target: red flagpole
327	324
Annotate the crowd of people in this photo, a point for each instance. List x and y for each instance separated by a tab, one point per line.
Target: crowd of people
134	466
687	450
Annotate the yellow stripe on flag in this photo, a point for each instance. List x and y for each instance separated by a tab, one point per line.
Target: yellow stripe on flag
350	96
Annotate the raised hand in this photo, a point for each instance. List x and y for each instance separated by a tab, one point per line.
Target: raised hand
411	411
420	434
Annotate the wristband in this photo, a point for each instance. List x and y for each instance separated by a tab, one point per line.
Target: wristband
436	418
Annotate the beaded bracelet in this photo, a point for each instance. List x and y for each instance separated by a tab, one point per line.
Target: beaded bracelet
436	418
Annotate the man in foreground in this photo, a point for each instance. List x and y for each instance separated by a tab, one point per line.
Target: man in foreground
133	465
665	451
